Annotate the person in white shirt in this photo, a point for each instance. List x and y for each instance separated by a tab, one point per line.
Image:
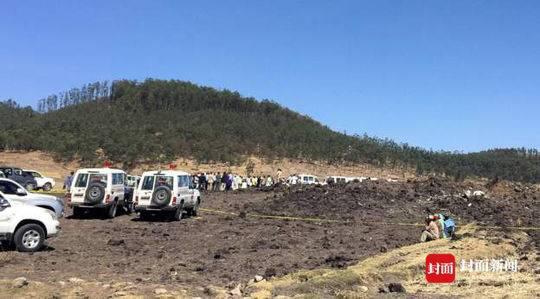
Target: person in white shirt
210	179
269	181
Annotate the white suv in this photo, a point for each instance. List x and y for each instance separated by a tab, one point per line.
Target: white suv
166	191
308	179
97	188
44	183
26	226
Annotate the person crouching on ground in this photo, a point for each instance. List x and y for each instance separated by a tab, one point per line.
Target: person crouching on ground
431	231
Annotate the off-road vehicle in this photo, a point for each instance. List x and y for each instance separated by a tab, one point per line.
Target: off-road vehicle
42	182
14	191
17	174
308	179
26	226
167	191
97	188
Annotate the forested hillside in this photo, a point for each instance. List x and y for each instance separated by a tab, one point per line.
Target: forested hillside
156	120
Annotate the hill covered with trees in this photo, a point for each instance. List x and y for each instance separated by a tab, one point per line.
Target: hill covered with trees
157	120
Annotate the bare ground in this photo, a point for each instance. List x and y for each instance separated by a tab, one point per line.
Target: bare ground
213	249
229	243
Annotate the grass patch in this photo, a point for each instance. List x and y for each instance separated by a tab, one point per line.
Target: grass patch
329	284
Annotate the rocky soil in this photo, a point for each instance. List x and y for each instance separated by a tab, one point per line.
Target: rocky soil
229	244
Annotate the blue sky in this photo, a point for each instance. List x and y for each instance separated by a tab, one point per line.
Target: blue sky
452	75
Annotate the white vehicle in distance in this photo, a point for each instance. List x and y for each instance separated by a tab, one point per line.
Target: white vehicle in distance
343	179
14	191
44	183
166	191
26	226
336	179
308	179
97	188
132	180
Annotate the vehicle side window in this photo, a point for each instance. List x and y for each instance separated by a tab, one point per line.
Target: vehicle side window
35	174
148	183
8	187
82	180
305	179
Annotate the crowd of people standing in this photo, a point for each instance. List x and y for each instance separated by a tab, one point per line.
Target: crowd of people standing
227	181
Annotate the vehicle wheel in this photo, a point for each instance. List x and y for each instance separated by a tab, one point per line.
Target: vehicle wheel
77	212
29	238
29	186
94	193
47	187
162	196
193	212
178	214
111	212
143	215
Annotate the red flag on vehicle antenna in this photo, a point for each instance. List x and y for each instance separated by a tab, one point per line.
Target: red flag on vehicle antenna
172	166
107	164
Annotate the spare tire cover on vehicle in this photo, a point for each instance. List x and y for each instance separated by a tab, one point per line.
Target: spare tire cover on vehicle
162	196
94	193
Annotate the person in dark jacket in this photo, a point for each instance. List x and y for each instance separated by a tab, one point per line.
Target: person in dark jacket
202	181
228	182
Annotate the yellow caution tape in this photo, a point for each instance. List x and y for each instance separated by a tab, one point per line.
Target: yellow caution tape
274	216
344	221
